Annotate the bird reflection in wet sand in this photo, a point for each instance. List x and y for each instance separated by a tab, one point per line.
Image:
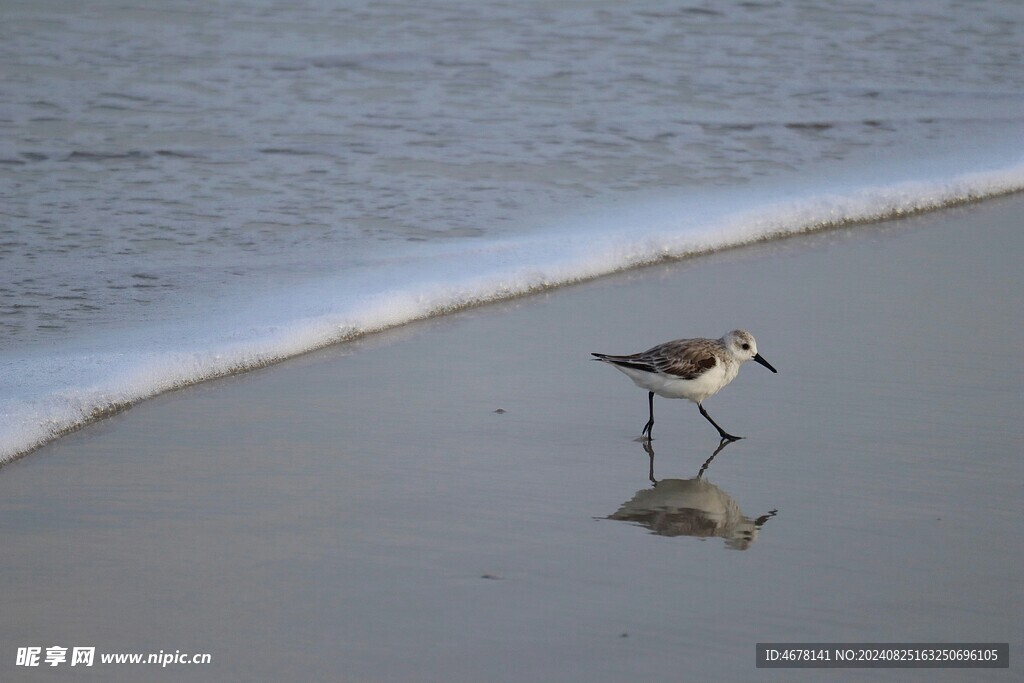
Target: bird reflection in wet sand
691	507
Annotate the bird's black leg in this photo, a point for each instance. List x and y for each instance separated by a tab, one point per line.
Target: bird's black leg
650	423
724	434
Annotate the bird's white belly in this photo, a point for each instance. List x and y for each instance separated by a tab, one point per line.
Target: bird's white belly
696	390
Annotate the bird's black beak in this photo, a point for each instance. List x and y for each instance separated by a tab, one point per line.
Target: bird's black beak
762	361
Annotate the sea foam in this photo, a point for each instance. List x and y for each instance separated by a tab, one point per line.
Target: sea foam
59	391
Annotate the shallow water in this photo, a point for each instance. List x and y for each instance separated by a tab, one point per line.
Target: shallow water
363	513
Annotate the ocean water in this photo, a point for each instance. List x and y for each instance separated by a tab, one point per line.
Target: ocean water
194	189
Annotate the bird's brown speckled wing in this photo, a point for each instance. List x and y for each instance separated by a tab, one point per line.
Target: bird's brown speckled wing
683	358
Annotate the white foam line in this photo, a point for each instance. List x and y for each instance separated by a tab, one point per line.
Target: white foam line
505	269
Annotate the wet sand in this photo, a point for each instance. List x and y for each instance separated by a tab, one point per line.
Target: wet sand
464	499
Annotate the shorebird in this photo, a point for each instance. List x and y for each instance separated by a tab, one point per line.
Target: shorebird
693	369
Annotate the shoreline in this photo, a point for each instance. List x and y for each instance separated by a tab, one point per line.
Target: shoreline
103	412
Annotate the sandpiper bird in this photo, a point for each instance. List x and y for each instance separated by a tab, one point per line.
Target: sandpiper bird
693	369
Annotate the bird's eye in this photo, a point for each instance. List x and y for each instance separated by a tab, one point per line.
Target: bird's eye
746	347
